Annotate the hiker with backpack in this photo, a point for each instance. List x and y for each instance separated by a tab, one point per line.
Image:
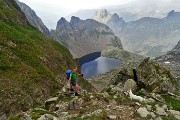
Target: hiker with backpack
71	75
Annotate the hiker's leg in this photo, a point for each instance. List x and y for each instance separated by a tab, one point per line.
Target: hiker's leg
76	87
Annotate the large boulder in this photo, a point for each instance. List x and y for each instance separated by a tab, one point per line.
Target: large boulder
130	84
151	76
143	112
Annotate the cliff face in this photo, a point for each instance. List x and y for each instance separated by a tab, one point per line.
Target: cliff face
171	59
33	18
85	36
146	36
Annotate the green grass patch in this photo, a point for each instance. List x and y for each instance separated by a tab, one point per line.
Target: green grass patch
175	103
3	65
16	117
168	118
38	113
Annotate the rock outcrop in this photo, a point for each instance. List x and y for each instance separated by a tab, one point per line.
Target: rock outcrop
85	36
108	104
147	36
33	18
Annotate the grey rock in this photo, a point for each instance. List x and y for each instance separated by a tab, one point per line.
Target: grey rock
177	117
115	97
143	112
116	89
118	108
64	114
149	107
112	117
3	117
105	95
138	104
47	117
111	86
149	100
174	112
158	118
160	111
152	114
26	117
165	107
75	103
54	99
130	84
62	106
91	96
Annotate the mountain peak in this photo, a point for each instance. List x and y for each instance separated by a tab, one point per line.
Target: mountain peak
176	49
74	19
62	21
171	13
115	17
102	13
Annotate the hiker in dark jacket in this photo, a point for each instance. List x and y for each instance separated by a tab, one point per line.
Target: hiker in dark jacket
73	80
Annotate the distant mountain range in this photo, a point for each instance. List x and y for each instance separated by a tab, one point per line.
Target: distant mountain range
81	37
147	36
135	9
85	36
33	18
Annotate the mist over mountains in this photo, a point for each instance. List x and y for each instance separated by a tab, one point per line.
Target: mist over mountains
135	9
146	36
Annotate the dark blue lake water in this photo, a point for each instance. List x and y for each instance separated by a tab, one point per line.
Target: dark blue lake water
98	66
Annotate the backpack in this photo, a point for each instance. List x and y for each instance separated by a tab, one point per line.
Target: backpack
68	72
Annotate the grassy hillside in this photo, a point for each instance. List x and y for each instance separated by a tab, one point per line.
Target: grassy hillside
29	62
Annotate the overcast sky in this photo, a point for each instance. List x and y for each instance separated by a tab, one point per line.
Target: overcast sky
53	10
50	11
71	5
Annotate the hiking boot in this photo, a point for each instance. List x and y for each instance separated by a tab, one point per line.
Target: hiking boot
76	94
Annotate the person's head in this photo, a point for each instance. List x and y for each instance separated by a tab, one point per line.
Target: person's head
75	69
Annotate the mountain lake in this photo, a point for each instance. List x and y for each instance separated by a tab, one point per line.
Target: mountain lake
98	66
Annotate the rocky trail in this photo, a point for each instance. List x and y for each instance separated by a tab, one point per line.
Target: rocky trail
112	104
158	99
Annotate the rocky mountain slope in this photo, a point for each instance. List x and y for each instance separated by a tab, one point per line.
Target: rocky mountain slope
146	36
30	62
172	59
114	103
85	36
33	18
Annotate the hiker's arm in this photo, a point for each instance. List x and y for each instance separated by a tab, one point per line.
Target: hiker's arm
69	79
80	75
